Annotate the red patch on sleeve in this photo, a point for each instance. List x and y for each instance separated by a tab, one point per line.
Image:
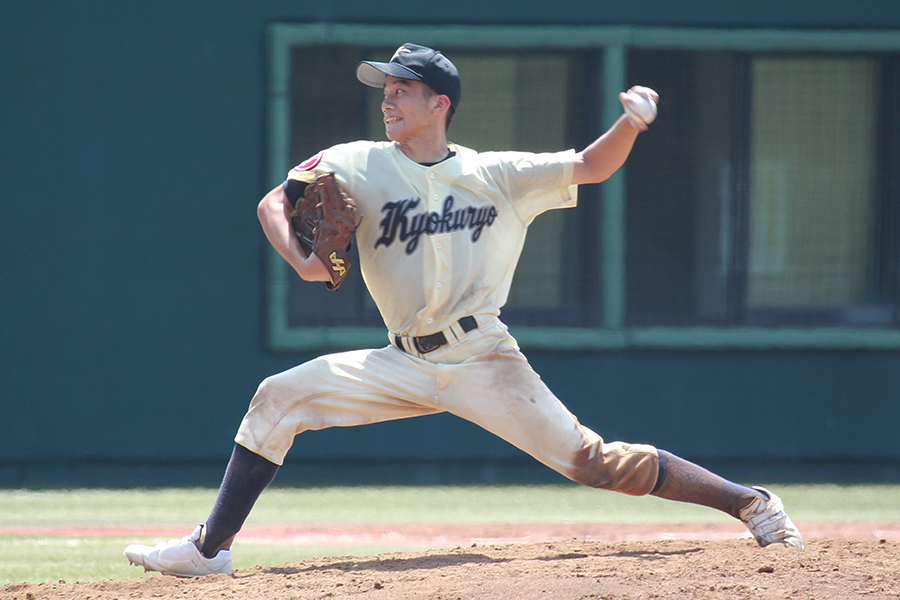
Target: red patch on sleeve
310	163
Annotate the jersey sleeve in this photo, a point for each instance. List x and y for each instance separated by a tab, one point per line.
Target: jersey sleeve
540	182
345	160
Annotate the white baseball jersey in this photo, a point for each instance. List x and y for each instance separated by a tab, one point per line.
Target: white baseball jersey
441	242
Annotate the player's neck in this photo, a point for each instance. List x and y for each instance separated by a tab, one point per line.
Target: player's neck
425	150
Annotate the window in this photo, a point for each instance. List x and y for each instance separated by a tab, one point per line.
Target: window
761	209
522	100
813	160
762	201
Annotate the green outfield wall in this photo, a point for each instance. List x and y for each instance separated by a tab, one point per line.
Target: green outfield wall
133	315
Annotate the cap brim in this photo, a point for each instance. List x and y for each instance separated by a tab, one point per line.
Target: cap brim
374	73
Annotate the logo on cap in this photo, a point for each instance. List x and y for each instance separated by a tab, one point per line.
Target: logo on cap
400	50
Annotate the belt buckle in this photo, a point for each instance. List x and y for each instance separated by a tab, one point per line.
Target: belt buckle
429	343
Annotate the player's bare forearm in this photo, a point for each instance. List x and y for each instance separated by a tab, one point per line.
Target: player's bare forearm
608	153
274	216
605	155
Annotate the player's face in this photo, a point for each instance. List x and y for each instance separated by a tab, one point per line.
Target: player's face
407	108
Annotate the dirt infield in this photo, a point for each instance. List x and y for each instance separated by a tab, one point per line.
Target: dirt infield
502	562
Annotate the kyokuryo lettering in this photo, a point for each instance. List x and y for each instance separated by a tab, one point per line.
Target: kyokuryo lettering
398	223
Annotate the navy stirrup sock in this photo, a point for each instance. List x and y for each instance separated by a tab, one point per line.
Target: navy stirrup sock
246	476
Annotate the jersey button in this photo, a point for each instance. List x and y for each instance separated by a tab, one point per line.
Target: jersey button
438	285
429	320
431	176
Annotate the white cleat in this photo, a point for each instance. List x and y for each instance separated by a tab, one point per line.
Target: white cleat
769	524
179	558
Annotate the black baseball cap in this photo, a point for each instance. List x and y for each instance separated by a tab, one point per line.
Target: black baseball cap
412	61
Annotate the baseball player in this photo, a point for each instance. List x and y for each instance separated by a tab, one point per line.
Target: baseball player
440	230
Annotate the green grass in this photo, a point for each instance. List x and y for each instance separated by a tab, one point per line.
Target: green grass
50	558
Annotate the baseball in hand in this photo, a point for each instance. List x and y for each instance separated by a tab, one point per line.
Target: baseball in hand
640	108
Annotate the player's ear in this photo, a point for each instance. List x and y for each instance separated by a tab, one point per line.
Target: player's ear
441	105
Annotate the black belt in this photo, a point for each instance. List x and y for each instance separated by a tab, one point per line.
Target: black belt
428	343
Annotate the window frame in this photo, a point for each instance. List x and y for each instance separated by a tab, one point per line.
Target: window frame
613	43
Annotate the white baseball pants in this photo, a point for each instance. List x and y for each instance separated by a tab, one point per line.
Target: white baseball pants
483	378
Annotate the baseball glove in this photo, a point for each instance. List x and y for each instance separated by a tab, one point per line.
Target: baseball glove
324	221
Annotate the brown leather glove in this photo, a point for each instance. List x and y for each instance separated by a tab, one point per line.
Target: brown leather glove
324	221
